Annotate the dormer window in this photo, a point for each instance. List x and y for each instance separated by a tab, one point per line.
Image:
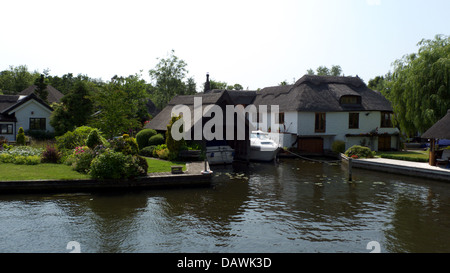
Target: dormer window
349	100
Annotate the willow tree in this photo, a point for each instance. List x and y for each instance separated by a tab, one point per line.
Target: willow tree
419	89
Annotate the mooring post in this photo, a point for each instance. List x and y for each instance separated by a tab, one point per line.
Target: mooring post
350	169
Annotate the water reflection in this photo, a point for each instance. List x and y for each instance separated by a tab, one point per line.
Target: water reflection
294	206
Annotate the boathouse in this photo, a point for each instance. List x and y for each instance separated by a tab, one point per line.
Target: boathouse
221	98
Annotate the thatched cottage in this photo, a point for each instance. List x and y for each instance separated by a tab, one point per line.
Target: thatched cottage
313	113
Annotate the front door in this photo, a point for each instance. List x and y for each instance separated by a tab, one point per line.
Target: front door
384	143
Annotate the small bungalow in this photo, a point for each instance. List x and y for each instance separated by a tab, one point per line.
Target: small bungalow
28	112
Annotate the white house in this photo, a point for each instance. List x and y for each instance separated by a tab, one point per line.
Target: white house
28	112
318	110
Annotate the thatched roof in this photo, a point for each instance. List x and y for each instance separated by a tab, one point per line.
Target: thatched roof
54	95
309	94
440	130
323	93
162	119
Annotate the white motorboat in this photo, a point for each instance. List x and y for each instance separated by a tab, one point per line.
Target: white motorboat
262	148
219	153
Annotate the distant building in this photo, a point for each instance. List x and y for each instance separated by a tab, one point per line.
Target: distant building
28	112
54	95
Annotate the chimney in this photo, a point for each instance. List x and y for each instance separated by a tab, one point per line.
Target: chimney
207	84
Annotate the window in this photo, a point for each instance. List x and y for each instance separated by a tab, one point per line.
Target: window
350	100
386	120
280	118
6	129
37	124
353	120
320	123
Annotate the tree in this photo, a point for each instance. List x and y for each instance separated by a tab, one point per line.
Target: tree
16	79
168	77
420	89
75	109
41	87
224	86
335	70
118	105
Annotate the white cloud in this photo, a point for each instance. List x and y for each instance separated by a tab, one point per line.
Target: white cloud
373	2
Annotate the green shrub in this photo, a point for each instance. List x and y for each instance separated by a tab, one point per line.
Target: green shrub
27	160
338	146
357	151
113	165
75	138
83	158
125	144
137	166
94	138
158	148
174	146
6	158
143	136
157	139
40	134
20	139
147	151
163	153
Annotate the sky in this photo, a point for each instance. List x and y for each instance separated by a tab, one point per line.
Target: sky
254	43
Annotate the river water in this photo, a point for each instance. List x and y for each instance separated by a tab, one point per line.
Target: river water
294	206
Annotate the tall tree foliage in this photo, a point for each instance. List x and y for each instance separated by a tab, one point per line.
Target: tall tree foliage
420	89
335	70
75	109
169	80
41	87
16	79
119	105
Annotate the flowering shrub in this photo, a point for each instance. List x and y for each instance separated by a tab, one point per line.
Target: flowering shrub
80	149
83	158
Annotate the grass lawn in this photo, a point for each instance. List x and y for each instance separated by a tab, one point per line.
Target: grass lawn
157	165
10	172
420	156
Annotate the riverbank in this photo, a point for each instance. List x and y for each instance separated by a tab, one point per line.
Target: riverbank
410	168
192	177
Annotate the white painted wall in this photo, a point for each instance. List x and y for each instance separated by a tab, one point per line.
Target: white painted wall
336	127
32	109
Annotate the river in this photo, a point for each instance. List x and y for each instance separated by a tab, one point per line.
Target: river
294	206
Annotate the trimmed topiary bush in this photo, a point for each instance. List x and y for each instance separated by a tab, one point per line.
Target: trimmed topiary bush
147	151
94	138
143	136
157	139
20	139
357	151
